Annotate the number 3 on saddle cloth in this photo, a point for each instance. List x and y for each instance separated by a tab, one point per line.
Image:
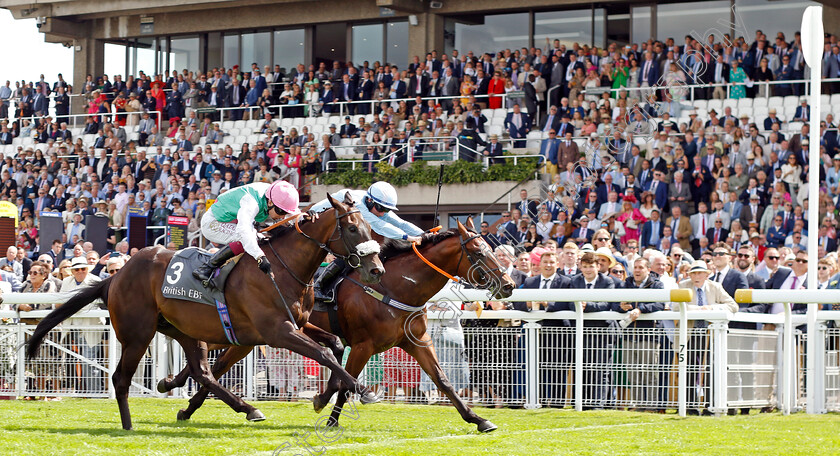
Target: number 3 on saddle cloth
179	283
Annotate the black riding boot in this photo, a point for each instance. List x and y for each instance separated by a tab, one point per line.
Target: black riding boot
324	281
204	271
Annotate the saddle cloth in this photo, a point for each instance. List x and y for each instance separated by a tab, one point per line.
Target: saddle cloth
179	282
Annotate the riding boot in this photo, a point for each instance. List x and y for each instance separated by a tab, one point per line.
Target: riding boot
205	271
323	291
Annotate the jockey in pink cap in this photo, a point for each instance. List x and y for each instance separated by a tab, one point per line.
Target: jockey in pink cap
230	222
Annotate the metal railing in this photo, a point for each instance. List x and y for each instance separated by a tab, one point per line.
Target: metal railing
544	361
684	86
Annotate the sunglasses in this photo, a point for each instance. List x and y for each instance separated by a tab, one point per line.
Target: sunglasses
770	257
602	239
113	271
79	269
719	253
380	208
744	255
823	268
34	273
801	260
617	271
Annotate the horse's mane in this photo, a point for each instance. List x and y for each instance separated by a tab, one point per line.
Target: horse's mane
394	247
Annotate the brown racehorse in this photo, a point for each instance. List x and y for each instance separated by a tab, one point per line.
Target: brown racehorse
259	316
373	327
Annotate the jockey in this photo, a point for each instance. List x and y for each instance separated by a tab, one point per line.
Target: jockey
230	221
376	206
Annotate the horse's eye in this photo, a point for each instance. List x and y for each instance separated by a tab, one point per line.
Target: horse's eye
352	228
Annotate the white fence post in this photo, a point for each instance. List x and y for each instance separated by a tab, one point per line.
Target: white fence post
718	369
787	381
818	395
250	388
682	353
532	349
20	369
112	361
578	356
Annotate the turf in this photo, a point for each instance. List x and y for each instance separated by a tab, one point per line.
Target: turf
92	427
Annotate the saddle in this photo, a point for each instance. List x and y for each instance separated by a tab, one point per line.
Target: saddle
179	282
325	294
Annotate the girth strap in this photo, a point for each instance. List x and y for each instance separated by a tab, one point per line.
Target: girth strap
387	299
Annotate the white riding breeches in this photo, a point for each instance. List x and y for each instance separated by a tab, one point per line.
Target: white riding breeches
218	232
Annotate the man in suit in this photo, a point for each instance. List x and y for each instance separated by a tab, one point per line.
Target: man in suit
448	88
494	150
569	260
717	233
652	230
583	234
518	125
567	151
641	346
729	278
659	188
744	351
700	223
792	278
784	73
365	92
526	207
707	295
347	130
701	181
556	349
549	149
649	71
597	346
551	121
681	227
751	214
679	193
347	92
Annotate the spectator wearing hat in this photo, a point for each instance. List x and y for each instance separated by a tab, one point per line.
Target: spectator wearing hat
752	213
771	119
88	343
582	234
493	150
707	295
348	130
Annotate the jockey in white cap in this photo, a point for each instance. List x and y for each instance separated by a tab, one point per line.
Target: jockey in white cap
376	204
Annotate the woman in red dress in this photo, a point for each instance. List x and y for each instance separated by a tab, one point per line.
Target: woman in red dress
496	87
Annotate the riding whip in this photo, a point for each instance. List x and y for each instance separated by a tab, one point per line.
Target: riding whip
437	203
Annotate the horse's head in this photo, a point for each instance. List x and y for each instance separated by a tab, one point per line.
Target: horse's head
482	270
354	240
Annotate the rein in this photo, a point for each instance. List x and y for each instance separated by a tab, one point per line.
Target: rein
291	217
432	265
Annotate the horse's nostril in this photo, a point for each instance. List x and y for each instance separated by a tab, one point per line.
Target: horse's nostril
375	272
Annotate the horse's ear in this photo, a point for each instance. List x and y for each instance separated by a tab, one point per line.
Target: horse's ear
332	201
470	225
462	229
348	199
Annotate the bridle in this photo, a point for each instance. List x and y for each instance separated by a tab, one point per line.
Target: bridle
353	259
473	257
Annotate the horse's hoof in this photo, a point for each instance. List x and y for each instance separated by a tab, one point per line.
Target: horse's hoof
182	415
161	386
255	415
332	422
369	398
486	426
318	404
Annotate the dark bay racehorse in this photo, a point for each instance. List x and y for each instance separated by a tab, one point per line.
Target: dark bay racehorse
373	327
259	315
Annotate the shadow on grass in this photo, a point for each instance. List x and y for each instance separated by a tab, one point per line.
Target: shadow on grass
222	426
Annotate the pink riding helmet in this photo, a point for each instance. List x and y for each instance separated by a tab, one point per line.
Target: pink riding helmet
285	196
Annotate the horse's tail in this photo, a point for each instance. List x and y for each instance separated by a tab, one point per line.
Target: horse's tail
76	303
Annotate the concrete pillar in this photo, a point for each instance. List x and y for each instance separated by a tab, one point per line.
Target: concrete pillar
831	19
88	58
425	36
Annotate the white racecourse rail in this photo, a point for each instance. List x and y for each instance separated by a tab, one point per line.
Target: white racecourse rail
686	360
